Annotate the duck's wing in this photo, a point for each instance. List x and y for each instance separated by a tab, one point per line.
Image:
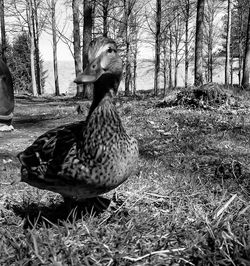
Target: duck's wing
48	152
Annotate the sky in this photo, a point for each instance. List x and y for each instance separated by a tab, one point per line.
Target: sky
63	52
65	25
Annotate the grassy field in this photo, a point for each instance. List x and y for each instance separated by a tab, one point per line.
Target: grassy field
188	204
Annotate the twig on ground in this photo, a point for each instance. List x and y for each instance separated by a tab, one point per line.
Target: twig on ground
226	205
160	253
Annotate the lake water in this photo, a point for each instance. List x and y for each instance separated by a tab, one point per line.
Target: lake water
145	78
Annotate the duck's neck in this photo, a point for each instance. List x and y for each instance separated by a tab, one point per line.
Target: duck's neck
104	89
103	121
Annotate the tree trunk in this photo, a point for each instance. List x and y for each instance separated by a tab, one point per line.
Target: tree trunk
87	36
210	47
240	59
176	65
175	69
37	51
157	47
164	80
198	68
170	60
127	68
134	71
32	49
127	43
246	65
240	64
231	70
228	38
186	42
77	40
53	10
3	36
165	65
177	43
105	5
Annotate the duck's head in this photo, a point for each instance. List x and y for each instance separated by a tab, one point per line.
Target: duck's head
105	64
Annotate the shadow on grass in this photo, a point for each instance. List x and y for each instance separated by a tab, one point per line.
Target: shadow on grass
27	121
4	154
56	213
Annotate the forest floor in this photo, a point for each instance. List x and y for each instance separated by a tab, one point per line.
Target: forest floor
189	204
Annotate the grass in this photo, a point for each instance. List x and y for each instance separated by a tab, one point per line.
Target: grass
188	204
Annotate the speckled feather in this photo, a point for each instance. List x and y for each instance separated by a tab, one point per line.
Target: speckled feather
88	158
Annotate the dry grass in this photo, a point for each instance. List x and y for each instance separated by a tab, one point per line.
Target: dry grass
188	205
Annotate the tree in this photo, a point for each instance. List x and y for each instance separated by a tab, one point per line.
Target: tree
246	66
177	33
32	48
54	38
170	85
211	36
3	36
77	40
19	63
136	21
228	38
198	65
18	59
36	43
157	46
29	16
238	32
125	29
87	33
165	61
105	11
187	13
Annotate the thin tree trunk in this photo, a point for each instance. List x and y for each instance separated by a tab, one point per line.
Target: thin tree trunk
176	65
231	70
186	41
177	43
228	38
105	5
175	69
164	80
165	65
3	36
77	40
240	66
246	65
53	9
240	48
170	60
127	53
134	71
37	51
198	67
210	48
32	49
157	47
87	33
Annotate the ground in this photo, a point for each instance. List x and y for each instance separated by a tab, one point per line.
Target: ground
187	205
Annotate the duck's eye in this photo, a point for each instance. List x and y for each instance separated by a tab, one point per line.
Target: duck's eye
110	50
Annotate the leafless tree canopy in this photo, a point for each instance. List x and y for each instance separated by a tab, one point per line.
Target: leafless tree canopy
199	37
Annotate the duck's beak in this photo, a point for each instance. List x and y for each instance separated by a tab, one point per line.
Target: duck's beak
91	73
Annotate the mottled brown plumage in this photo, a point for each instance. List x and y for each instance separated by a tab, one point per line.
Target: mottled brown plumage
88	158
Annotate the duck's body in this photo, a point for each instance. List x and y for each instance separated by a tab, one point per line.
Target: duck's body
84	159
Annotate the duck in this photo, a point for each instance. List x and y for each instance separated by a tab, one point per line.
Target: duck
85	159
